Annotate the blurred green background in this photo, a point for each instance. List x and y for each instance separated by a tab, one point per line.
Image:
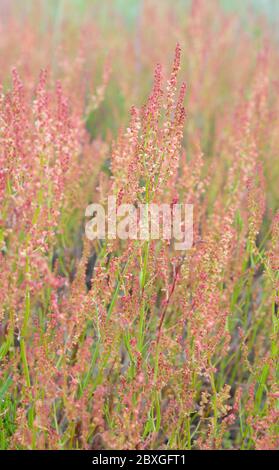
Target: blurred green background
129	8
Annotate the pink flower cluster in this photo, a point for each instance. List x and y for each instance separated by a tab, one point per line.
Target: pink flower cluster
130	344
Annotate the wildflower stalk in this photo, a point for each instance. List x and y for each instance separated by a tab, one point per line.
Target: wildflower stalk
214	400
143	276
24	331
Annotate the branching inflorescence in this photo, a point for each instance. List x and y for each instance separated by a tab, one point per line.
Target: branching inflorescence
132	344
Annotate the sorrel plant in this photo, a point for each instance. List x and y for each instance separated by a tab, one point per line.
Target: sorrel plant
132	344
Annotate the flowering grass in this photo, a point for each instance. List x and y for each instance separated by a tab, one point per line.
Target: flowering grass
113	344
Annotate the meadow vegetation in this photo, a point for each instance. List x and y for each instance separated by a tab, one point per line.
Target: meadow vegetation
112	344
